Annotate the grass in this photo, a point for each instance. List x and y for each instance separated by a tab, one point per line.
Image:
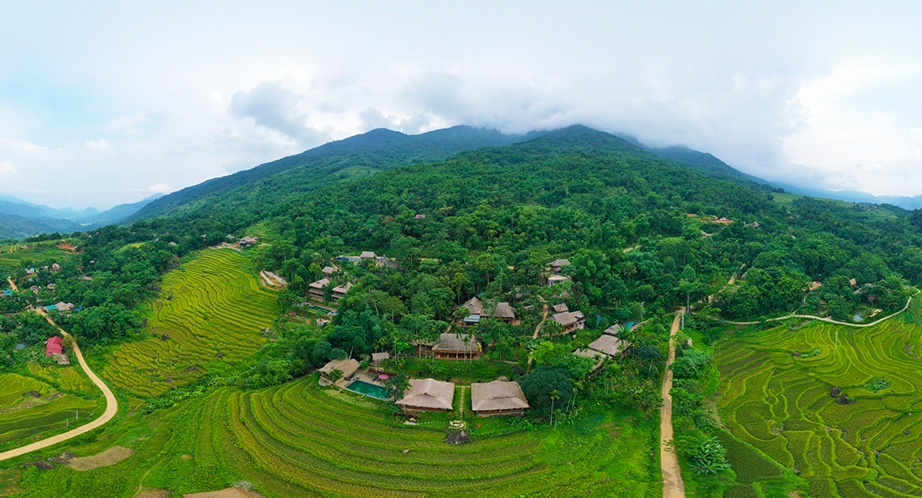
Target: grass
301	440
459	371
24	418
12	255
212	309
781	406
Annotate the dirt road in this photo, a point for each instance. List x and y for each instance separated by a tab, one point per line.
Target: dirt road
673	486
111	409
537	333
829	320
12	284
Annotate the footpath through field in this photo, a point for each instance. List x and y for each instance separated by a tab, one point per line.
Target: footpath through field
827	319
111	408
673	486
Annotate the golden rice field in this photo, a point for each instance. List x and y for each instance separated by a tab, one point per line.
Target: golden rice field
24	417
212	309
782	404
298	440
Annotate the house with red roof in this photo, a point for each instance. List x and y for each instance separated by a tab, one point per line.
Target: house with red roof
54	346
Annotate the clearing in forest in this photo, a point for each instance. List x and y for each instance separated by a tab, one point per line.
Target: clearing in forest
782	392
209	315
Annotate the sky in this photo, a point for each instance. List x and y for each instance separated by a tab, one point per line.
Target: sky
103	103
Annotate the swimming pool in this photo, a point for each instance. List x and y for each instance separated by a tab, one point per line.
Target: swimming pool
367	389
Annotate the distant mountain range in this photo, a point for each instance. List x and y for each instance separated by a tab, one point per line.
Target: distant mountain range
20	218
372	152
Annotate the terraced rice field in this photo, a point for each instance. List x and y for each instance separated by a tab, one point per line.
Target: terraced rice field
67	378
212	309
300	440
781	404
23	416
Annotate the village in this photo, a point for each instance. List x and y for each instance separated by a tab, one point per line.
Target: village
458	343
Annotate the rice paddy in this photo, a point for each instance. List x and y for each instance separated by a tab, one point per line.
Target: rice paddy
300	440
31	409
209	315
783	404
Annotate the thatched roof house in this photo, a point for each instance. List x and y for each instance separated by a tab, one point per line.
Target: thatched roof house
613	330
498	398
316	288
558	264
560	308
474	306
570	320
504	311
378	358
428	395
609	345
457	346
328	271
367	255
340	291
348	367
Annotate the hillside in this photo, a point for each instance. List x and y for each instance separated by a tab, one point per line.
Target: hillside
364	154
16	227
178	326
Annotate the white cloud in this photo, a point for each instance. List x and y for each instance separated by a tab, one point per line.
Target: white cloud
28	149
160	188
99	146
7	168
127	125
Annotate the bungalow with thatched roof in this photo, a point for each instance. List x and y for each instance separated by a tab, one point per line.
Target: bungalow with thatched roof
557	265
316	288
457	347
557	279
560	308
609	345
61	359
504	311
328	271
367	255
613	330
498	398
570	320
348	367
340	291
428	395
378	358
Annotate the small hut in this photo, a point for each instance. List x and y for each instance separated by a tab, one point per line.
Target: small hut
348	367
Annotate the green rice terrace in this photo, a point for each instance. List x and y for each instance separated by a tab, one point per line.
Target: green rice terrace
840	406
209	314
301	440
31	409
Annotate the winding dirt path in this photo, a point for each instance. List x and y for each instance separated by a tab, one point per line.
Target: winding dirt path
12	284
827	319
111	408
673	486
544	310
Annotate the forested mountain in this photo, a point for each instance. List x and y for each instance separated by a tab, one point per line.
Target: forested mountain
364	154
38	218
16	227
574	192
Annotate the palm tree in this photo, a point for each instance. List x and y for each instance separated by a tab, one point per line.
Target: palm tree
554	395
